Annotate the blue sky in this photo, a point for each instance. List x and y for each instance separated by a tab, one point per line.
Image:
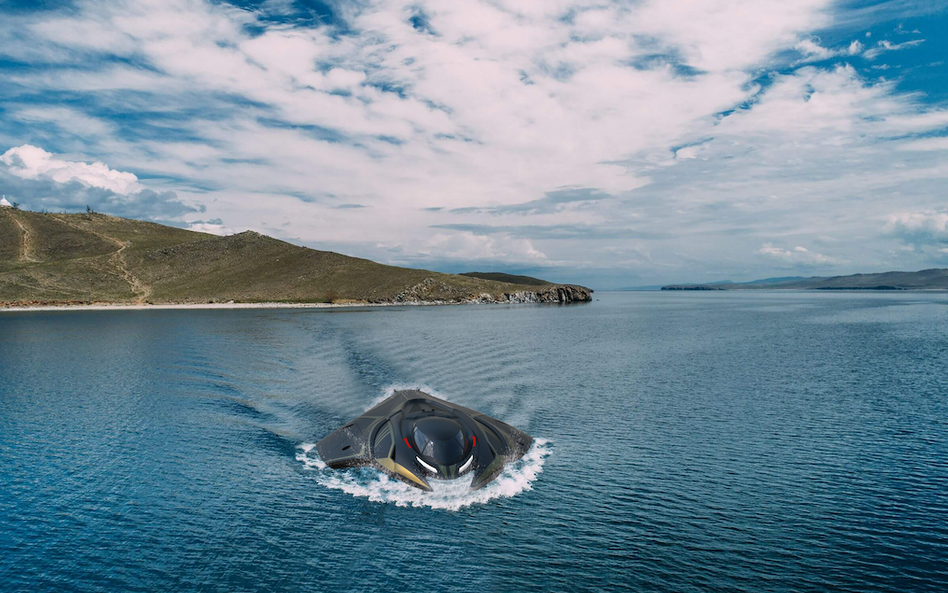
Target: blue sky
615	144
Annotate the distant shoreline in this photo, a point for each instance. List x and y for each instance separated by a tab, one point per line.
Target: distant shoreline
883	289
930	279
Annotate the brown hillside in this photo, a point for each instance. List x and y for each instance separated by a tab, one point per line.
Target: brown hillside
96	258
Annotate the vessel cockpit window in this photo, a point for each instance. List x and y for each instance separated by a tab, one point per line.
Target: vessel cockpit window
443	450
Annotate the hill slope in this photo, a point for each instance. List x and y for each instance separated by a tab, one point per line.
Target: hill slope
96	258
932	279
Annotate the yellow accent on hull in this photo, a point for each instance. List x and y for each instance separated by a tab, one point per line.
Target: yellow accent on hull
395	468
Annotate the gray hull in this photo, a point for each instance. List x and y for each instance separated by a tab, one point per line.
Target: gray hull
390	437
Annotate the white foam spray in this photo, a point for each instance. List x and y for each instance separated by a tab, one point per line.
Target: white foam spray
449	495
310	460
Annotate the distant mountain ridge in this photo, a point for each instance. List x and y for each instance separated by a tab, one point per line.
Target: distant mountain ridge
62	259
778	280
510	278
930	279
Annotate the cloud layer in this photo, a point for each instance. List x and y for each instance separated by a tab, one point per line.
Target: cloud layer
43	181
625	143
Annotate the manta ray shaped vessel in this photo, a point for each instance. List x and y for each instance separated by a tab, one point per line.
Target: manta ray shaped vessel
414	436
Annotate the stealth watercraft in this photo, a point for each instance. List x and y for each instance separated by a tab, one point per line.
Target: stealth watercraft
413	437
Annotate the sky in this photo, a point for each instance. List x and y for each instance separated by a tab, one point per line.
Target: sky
614	144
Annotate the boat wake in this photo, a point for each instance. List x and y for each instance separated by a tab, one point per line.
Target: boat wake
449	495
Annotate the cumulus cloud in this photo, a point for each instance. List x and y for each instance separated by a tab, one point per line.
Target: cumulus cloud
32	162
41	180
920	228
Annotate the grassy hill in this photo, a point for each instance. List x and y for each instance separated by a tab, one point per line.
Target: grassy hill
96	258
932	279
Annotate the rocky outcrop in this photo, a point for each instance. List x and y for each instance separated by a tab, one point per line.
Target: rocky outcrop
554	293
430	291
433	291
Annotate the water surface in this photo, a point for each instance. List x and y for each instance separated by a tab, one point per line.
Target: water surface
686	442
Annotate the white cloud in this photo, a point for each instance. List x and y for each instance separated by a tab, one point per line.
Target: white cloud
925	144
929	226
468	246
473	68
32	162
813	52
885	46
68	119
211	228
719	35
688	152
47	181
811	48
796	255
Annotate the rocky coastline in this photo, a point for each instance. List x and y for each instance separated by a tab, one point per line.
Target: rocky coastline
554	294
433	291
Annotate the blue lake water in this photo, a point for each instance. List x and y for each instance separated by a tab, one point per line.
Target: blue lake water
685	442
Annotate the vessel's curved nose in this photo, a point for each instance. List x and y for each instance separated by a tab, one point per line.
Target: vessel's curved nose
439	440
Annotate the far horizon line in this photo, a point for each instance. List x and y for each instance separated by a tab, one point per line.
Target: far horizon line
473	265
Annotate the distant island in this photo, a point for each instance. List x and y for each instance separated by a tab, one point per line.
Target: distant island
49	259
932	279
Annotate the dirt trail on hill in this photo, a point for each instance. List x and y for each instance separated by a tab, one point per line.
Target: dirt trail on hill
141	290
26	244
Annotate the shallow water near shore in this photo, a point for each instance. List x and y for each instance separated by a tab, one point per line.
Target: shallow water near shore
725	441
